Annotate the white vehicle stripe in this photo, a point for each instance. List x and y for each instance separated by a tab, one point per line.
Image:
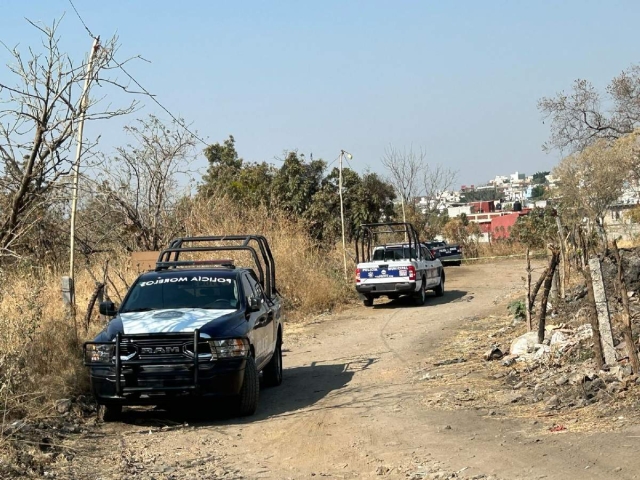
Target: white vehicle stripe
170	320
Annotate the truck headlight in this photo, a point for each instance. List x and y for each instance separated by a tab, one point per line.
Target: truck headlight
229	348
98	353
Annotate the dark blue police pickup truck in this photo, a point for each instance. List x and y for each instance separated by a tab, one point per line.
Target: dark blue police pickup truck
191	328
449	254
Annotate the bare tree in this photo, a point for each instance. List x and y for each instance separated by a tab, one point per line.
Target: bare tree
406	169
142	186
436	180
584	115
38	120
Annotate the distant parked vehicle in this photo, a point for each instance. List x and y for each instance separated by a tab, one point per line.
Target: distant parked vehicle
449	254
395	269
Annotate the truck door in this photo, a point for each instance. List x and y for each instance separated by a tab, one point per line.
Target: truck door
258	320
270	323
431	268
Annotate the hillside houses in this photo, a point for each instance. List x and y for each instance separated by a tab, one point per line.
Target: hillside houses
501	201
497	205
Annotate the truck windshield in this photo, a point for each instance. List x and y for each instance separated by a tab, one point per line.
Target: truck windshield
393	253
182	291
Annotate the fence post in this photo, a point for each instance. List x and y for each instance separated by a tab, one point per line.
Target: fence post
602	307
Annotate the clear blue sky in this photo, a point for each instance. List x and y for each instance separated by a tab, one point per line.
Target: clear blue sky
461	79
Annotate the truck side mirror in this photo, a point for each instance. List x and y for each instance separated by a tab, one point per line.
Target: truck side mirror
254	304
108	308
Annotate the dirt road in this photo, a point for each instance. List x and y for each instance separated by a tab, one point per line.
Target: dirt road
352	406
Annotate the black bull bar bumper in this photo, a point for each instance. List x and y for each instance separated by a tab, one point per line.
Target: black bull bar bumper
121	372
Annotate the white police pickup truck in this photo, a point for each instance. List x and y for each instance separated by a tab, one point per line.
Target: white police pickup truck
395	269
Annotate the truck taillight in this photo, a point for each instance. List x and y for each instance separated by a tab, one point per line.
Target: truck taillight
412	272
357	275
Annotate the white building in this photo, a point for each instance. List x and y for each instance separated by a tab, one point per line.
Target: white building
457	210
499	180
440	202
517	177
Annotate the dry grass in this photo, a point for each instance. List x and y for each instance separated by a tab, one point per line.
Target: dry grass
40	343
311	280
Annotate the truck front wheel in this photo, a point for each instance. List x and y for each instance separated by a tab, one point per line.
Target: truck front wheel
111	412
250	391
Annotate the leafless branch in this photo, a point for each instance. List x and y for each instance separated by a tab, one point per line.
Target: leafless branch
38	120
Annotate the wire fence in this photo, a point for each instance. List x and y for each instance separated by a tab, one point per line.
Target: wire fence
540	254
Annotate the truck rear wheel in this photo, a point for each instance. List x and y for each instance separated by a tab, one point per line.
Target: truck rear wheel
368	302
421	296
439	290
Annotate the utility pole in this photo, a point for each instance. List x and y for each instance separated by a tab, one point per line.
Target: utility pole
76	169
344	242
404	216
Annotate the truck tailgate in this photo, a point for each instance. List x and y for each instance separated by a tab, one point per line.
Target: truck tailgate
383	272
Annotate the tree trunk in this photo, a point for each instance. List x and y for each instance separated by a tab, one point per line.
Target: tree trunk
548	281
564	274
555	284
529	323
92	302
536	288
603	235
626	314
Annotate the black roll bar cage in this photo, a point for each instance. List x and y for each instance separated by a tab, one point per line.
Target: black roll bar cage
170	257
368	233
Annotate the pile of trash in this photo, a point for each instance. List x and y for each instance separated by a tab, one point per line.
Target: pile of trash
560	371
558	342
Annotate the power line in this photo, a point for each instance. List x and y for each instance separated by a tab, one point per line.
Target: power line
150	95
144	90
81	20
334	161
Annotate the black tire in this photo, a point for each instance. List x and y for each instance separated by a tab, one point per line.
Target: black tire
272	373
421	297
368	302
250	391
111	412
439	290
458	263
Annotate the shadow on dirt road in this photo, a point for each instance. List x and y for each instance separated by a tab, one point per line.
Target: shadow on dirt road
403	302
302	387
